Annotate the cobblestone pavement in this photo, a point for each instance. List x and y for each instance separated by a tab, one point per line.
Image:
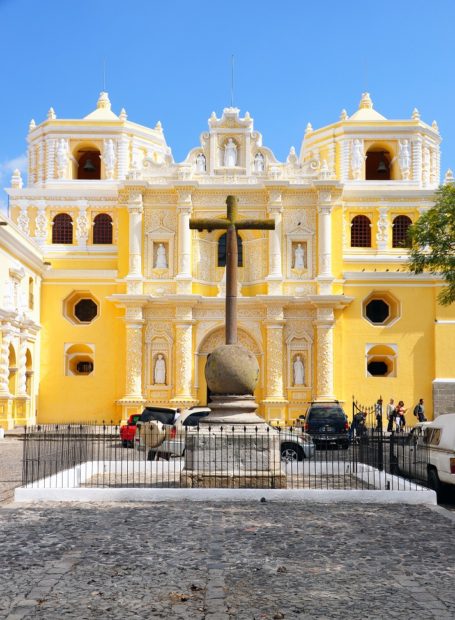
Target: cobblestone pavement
202	561
10	467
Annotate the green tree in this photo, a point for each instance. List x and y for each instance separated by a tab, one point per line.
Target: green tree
433	242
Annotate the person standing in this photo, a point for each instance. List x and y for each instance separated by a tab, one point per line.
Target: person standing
378	414
390	411
400	420
419	411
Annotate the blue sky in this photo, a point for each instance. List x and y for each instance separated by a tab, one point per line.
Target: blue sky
295	62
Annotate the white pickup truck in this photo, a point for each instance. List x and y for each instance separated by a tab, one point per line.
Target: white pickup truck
429	453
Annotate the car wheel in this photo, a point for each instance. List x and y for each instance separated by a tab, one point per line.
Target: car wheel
291	452
345	445
434	483
151	455
125	443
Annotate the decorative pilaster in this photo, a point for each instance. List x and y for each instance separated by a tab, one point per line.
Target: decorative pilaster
41	162
325	277
382	236
184	208
122	161
41	223
22	365
274	326
275	277
135	210
50	159
417	160
345	160
134	322
183	355
23	220
324	331
82	224
4	360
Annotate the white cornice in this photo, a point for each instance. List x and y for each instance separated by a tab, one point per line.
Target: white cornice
20	247
81	274
387	276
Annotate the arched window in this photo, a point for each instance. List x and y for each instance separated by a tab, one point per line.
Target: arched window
222	250
89	165
360	232
62	228
400	228
102	228
377	165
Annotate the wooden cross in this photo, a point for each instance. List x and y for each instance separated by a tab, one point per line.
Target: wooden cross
232	224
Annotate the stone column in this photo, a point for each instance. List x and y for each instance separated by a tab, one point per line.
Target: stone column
50	157
122	160
417	160
184	207
135	210
275	277
325	276
324	330
183	355
134	322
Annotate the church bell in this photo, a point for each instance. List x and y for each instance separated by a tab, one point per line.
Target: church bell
89	166
382	167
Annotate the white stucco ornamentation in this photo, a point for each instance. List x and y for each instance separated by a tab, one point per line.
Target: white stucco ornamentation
109	158
62	158
133	361
23	221
404	158
4	359
357	158
16	179
274	361
382	236
41	224
82	225
21	366
183	359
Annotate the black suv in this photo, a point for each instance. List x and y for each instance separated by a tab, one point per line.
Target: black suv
327	424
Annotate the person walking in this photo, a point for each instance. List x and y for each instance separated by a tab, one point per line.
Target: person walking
378	414
390	412
400	419
419	411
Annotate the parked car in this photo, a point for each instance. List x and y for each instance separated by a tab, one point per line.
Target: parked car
173	426
428	453
327	424
296	446
128	430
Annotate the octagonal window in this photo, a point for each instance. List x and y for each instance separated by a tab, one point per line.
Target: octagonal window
85	310
381	360
81	308
381	308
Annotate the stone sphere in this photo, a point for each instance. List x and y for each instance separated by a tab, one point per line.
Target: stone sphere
231	369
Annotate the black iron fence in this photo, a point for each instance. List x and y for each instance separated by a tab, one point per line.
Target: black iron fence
89	455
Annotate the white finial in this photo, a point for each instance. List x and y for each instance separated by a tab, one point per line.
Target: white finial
247	116
365	102
344	115
16	179
123	115
415	115
103	101
158	126
51	115
32	125
434	125
448	178
309	128
213	115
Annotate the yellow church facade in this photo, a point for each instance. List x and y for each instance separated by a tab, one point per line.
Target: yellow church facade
131	301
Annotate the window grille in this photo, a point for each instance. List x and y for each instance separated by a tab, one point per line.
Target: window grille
400	232
361	232
102	228
62	229
222	250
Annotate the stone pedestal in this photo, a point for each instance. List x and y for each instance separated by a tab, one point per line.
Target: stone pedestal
233	457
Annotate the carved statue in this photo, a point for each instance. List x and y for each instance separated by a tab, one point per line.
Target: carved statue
357	158
259	163
230	154
299	257
299	371
404	158
109	158
159	374
62	158
200	163
161	260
